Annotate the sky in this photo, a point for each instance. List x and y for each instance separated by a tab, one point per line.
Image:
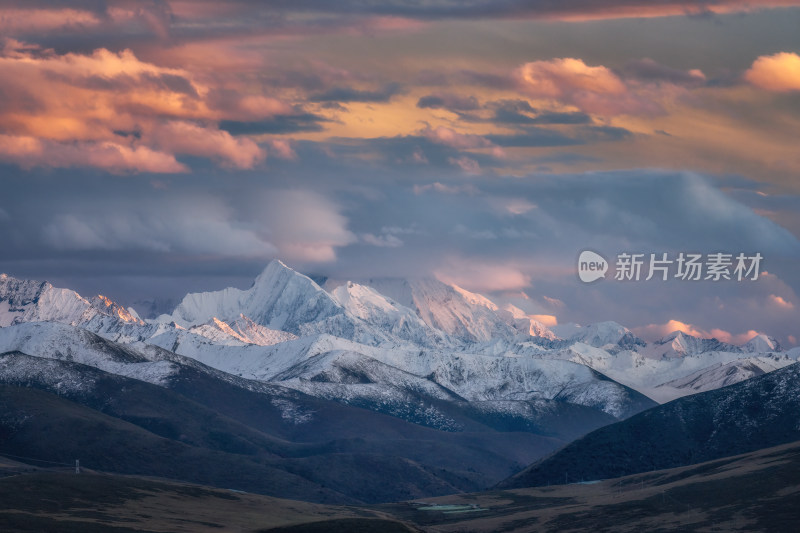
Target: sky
151	148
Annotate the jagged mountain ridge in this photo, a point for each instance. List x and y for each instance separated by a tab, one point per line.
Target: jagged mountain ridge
424	320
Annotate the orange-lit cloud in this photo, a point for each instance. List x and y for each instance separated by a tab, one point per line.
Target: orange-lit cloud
779	72
558	78
780	302
479	276
115	111
595	89
189	138
30	152
547	320
657	331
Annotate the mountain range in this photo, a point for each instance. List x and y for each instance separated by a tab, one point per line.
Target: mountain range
305	385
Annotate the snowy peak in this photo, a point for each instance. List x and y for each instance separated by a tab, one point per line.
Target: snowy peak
111	308
280	299
761	343
525	323
459	313
240	332
32	301
62	342
680	344
607	333
475	299
375	309
258	334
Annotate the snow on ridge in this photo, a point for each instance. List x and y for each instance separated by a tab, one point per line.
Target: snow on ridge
436	332
280	299
51	340
35	301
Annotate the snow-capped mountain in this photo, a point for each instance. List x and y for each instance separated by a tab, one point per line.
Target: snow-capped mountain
31	301
606	335
450	309
67	343
383	371
680	344
375	309
423	334
722	374
760	344
280	299
240	332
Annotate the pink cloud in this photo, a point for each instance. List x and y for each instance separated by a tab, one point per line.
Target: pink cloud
305	226
653	332
188	138
780	302
31	152
282	148
595	89
779	72
477	276
547	320
16	20
467	164
112	110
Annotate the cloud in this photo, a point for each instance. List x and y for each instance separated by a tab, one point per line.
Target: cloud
282	148
475	275
451	102
654	332
648	70
516	206
402	15
560	78
445	189
304	225
29	152
780	302
17	20
547	320
384	241
199	226
461	141
594	89
348	94
189	138
453	139
468	165
779	72
114	111
279	124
